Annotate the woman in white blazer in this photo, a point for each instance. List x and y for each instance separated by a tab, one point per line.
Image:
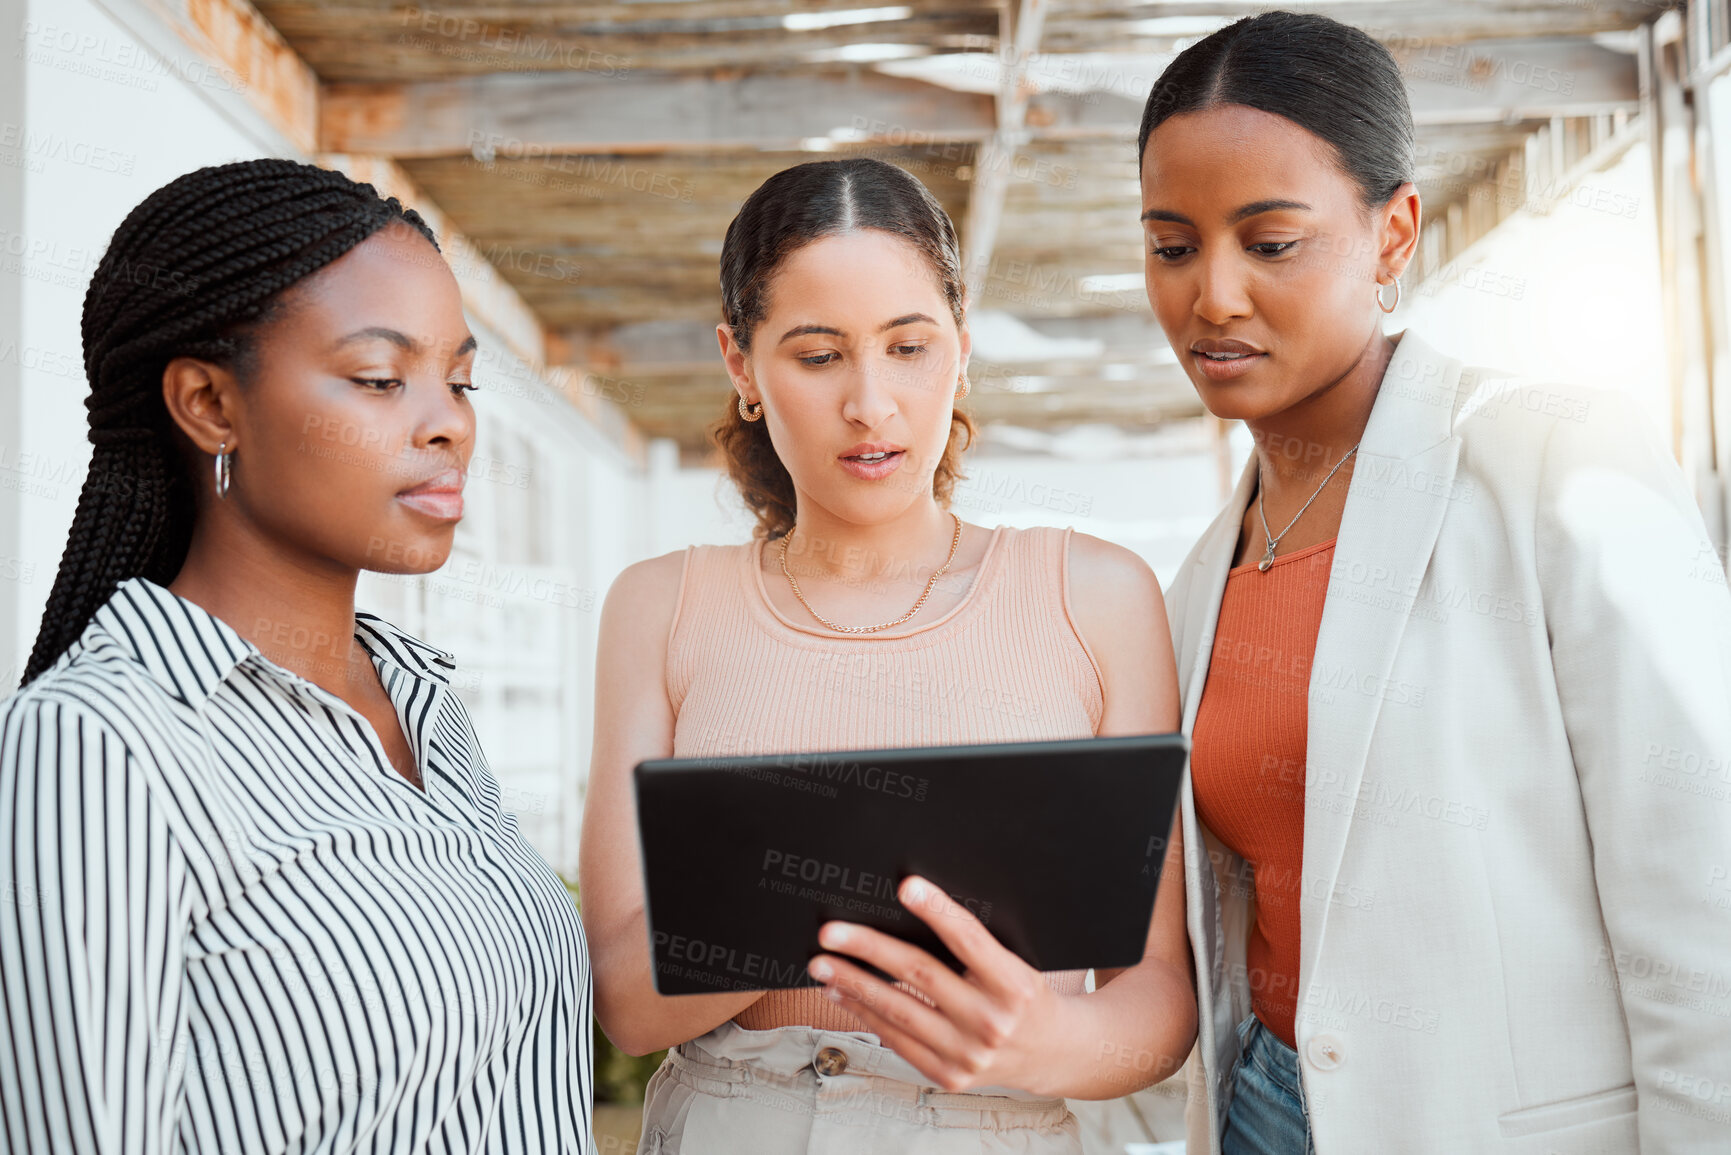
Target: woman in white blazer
1480	743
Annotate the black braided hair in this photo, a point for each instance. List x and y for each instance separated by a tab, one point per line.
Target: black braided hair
191	272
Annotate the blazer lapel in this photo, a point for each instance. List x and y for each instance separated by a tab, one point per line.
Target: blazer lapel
1199	610
1207	585
1400	492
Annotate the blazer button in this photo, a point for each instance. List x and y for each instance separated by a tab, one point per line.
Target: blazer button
830	1061
1324	1052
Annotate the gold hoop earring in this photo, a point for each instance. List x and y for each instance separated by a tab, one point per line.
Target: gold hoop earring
965	385
752	412
1393	307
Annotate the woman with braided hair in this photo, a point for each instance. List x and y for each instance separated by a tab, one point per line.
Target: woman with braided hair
264	897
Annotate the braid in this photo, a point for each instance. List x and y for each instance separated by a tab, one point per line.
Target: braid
189	273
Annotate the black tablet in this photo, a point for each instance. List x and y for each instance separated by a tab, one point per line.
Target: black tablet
1055	846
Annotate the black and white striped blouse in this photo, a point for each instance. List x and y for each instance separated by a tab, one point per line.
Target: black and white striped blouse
229	925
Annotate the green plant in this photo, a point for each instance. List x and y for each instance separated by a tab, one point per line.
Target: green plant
621	1078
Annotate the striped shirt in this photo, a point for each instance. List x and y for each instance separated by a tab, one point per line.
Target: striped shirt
229	924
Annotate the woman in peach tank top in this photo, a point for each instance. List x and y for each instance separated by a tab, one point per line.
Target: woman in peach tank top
863	614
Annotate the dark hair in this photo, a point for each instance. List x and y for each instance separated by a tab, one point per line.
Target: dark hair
793	208
191	272
1327	77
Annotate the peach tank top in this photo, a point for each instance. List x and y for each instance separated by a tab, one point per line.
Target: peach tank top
1005	664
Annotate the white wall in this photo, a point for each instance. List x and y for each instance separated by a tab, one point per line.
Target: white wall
12	168
98	135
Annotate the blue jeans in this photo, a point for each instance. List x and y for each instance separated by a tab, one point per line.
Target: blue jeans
1267	1115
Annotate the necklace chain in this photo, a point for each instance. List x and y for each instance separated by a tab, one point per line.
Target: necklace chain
955	540
1273	539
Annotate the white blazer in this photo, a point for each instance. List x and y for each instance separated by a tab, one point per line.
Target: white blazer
1516	908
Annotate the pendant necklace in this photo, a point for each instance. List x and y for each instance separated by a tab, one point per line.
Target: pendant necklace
1274	538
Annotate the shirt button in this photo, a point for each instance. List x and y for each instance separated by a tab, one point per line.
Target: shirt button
830	1061
1324	1052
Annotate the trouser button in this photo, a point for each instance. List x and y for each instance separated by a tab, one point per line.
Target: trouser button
830	1061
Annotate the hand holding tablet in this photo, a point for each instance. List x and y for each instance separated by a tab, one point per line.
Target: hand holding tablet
989	1024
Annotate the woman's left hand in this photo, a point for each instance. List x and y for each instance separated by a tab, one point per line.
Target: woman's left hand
987	1027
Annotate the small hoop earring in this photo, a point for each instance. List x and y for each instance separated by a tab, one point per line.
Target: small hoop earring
1393	307
223	468
965	386
752	412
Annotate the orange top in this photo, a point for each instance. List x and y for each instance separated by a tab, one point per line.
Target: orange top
1006	664
1247	755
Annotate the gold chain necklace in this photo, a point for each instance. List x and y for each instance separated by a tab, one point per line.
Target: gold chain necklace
955	541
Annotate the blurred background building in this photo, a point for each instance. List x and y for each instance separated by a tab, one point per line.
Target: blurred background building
581	161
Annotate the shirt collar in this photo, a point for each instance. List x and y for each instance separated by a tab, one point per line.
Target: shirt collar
387	643
190	652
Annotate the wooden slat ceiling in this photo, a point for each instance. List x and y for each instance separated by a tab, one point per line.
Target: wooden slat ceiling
601	240
381	40
590	153
1089	25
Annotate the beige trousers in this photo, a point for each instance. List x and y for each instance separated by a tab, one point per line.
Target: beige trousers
802	1091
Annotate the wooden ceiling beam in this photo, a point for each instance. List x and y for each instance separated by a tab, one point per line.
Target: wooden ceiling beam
1083	25
538	115
392	41
1023	21
528	116
1510	80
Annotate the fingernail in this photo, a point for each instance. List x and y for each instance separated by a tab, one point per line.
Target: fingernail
916	891
821	971
832	935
